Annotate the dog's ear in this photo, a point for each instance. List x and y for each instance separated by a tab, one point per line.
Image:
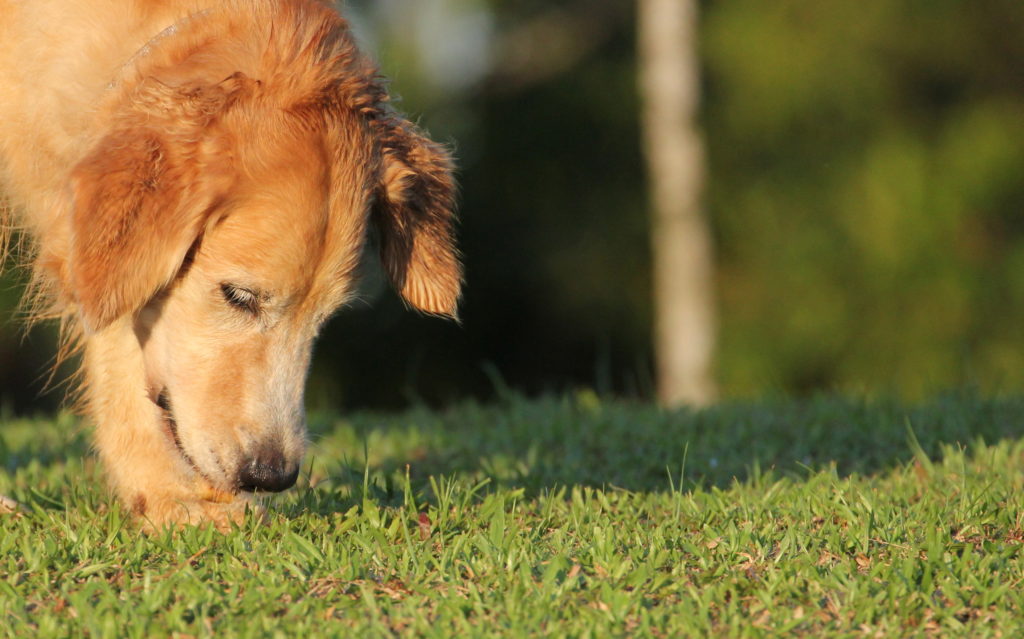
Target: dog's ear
137	203
414	217
130	232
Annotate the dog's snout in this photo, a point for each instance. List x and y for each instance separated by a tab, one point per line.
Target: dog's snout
268	471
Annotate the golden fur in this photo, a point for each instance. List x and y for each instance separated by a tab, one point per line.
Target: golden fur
196	180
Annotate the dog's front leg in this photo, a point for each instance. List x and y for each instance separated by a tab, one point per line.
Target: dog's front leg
145	468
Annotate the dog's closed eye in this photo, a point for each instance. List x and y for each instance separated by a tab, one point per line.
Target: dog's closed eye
241	298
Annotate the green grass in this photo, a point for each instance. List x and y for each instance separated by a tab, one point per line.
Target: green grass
556	517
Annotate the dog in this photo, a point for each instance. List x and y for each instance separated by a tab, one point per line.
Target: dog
197	180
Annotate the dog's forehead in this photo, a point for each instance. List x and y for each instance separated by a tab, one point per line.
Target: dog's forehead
288	227
293	223
273	231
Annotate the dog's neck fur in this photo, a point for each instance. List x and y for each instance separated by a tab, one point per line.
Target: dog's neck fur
145	49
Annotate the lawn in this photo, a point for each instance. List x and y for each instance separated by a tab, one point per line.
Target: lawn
564	516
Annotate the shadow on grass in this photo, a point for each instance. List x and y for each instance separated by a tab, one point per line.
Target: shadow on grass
545	444
48	457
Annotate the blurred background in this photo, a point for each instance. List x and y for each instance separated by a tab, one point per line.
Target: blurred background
858	172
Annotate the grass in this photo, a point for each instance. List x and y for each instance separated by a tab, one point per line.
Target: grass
558	517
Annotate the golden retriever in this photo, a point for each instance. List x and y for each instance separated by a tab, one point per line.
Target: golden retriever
197	179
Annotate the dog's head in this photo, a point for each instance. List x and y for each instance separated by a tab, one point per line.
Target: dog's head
227	218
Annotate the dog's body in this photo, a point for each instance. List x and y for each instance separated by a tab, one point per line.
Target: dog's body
196	180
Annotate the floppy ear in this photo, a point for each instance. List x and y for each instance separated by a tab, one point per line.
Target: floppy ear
414	217
130	233
138	204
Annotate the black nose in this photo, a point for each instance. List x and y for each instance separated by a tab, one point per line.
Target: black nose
267	471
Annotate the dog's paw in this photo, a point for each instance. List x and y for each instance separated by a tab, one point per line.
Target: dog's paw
221	510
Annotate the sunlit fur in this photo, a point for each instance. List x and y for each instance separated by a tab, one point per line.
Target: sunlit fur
155	151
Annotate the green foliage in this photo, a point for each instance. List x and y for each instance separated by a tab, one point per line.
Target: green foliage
865	185
564	517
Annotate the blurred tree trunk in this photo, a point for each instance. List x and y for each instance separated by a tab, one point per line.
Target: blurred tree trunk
684	331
